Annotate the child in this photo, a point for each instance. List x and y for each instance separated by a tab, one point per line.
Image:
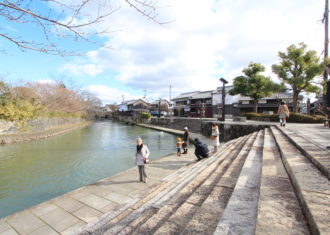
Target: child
283	113
178	146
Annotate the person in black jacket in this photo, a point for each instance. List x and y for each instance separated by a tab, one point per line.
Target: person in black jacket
201	150
327	95
185	140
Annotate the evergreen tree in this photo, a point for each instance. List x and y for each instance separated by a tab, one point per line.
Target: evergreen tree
254	84
298	68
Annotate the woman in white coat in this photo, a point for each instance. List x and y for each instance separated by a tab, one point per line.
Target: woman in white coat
141	156
215	137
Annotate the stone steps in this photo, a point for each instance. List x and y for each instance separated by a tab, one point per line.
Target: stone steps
278	206
240	214
269	182
176	215
310	184
170	200
170	183
206	218
319	156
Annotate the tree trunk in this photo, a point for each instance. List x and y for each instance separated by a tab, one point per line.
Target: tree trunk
255	105
295	101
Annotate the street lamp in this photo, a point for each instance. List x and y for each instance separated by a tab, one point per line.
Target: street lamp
224	82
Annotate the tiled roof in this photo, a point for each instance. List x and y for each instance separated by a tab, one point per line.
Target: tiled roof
133	102
202	95
183	96
194	95
272	97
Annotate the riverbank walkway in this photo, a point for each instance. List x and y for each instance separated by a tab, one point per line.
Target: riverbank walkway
70	212
274	181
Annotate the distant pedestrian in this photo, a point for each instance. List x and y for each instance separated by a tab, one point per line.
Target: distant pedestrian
327	95
178	146
201	149
283	112
185	140
215	137
141	157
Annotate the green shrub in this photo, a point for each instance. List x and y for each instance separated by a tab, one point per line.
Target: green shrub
23	110
303	118
145	115
19	110
294	117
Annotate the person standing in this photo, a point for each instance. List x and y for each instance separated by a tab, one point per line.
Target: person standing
185	140
141	156
215	137
283	112
327	95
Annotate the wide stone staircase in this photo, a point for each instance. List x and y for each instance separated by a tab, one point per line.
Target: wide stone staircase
269	182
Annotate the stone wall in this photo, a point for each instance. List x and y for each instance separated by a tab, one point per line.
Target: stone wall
38	124
194	124
231	131
203	126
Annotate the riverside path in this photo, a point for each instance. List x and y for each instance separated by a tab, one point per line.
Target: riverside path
269	182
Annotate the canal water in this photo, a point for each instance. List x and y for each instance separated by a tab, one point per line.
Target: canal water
33	172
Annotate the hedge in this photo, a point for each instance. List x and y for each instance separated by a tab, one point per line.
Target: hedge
145	115
294	117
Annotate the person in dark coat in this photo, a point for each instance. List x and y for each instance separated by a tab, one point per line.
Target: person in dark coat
201	150
327	95
185	140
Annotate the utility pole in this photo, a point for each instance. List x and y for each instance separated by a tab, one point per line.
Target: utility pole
145	93
326	35
159	108
224	82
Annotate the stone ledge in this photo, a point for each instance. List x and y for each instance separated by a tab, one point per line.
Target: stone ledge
8	139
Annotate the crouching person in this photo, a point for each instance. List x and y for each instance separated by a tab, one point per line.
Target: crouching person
201	150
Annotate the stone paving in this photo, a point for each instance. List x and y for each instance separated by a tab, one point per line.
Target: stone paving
70	212
314	132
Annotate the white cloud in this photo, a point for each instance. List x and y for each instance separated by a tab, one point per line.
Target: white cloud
82	69
46	81
109	95
208	39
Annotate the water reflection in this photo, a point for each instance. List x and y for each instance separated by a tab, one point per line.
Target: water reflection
32	172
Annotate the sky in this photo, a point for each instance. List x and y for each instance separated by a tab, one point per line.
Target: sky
203	41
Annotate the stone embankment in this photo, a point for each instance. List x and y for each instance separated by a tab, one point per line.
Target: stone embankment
261	183
272	181
38	129
228	130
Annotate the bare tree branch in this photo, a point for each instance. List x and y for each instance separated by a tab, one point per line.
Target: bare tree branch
71	20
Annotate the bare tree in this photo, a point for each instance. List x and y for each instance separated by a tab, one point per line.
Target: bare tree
24	93
63	19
